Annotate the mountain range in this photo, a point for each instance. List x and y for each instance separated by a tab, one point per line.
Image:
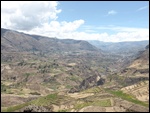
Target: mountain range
72	75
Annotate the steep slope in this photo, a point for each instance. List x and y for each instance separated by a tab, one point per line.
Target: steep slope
142	62
50	63
135	77
17	46
13	41
122	53
50	66
140	65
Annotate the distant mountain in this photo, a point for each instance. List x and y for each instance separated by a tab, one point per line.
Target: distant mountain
13	41
120	47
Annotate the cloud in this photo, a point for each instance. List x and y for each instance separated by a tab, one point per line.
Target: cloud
41	18
112	12
119	33
28	14
59	30
142	8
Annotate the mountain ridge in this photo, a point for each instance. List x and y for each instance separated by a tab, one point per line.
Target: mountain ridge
26	42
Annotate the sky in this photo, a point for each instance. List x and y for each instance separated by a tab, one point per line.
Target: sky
108	21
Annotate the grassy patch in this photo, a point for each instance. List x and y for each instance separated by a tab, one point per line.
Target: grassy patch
34	93
14	108
28	74
79	106
20	93
63	110
49	99
74	78
3	87
102	103
128	97
68	86
9	91
93	90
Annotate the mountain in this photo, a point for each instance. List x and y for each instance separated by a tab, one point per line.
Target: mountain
17	46
134	79
48	74
120	47
12	41
57	63
122	52
142	61
95	80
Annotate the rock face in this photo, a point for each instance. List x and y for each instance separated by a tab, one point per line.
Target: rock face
91	81
74	89
33	108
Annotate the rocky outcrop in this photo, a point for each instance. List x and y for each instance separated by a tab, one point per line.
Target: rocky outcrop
73	90
33	108
91	81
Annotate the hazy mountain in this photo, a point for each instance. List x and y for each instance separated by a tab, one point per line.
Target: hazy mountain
122	52
120	47
16	41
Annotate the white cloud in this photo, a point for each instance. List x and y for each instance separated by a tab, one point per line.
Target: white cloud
142	8
27	15
57	29
112	12
122	33
41	18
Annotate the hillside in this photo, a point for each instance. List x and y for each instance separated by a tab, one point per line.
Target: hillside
134	79
124	52
49	74
13	41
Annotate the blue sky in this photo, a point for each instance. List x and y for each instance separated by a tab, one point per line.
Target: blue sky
96	13
109	21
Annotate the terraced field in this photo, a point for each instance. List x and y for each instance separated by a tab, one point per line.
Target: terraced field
93	99
140	90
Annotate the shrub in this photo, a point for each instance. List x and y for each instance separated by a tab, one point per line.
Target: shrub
34	93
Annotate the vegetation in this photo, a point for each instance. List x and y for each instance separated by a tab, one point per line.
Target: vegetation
60	65
102	103
63	110
47	100
14	108
74	78
8	91
34	93
68	86
93	90
128	97
3	87
28	74
22	63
